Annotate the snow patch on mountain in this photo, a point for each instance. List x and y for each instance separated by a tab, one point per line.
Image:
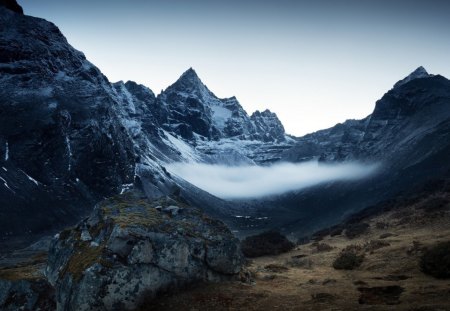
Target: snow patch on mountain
220	116
185	150
31	178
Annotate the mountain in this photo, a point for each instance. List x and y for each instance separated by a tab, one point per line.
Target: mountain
190	108
416	106
70	138
408	134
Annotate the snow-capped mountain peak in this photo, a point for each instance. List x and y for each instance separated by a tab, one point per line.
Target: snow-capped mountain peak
190	85
419	73
193	109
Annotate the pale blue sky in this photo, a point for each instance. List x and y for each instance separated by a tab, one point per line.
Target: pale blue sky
314	63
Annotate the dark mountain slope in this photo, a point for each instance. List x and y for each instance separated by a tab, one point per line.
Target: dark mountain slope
408	134
66	138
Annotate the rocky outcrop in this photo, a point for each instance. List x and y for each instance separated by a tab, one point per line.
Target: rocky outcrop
268	126
130	249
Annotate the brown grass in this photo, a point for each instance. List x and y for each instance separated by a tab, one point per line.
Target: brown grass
32	269
84	257
387	264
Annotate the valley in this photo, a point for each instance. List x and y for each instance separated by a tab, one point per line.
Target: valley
113	197
389	278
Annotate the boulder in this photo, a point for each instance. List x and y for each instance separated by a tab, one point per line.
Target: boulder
136	252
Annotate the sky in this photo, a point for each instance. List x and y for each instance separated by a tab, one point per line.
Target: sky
313	63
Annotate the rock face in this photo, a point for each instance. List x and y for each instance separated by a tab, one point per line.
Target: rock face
128	250
68	137
26	295
268	124
61	142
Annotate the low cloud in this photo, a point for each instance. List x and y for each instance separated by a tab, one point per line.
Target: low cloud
239	182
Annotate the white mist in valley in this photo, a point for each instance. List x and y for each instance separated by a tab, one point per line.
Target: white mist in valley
238	182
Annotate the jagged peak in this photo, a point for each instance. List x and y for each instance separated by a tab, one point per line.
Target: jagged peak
265	113
188	81
190	75
419	73
12	5
190	72
134	84
118	83
136	88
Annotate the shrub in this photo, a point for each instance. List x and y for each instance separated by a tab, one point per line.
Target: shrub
323	247
299	262
349	258
435	204
276	268
355	230
336	231
381	225
436	261
267	243
375	244
386	235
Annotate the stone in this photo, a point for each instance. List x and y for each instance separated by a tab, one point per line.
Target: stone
172	209
85	236
140	253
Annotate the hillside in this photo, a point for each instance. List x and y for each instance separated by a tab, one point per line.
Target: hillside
389	277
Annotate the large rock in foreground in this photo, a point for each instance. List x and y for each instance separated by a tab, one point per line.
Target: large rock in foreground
128	250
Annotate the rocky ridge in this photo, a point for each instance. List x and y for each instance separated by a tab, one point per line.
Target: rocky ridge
190	108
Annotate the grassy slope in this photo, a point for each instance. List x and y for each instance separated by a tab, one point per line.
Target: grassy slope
286	282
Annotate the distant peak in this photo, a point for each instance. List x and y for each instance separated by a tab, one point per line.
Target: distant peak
190	74
265	113
189	80
12	5
419	73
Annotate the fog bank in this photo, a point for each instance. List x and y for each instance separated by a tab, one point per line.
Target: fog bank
238	182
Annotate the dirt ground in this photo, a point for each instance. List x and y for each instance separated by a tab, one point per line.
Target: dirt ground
388	279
